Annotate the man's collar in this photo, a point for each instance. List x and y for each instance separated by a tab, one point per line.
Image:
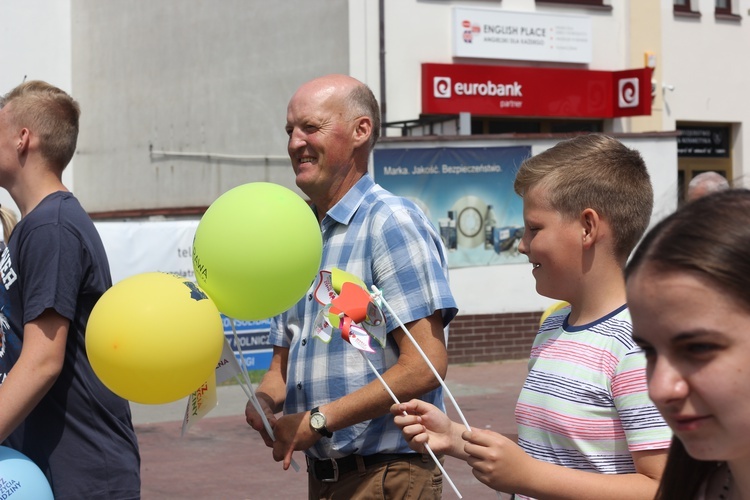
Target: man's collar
343	211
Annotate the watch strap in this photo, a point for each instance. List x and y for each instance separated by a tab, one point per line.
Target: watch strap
323	431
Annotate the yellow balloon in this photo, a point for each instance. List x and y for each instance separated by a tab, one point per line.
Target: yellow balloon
554	307
257	250
154	338
339	277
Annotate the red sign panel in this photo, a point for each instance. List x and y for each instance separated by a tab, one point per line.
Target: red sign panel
534	92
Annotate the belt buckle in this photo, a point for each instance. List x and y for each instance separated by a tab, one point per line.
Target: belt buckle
315	463
335	467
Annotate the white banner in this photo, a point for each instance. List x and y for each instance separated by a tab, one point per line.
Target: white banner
526	36
142	247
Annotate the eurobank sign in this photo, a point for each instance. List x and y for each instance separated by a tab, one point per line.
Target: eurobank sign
534	92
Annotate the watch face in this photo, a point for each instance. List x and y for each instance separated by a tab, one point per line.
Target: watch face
317	420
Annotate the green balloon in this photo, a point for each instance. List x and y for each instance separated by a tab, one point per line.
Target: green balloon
257	250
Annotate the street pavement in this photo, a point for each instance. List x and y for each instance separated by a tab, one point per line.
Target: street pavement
221	457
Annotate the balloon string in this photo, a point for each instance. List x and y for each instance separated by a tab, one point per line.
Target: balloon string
379	297
251	392
426	445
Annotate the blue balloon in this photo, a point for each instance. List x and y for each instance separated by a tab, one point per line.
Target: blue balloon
20	478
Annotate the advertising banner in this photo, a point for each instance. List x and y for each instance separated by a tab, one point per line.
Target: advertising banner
526	36
467	193
253	342
534	92
703	142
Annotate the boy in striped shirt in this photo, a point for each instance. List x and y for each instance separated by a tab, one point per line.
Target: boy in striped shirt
584	406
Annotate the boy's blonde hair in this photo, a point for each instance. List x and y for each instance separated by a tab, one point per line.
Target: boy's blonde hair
8	220
598	172
51	114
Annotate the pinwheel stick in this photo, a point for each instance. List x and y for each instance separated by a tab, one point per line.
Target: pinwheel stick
250	392
379	298
426	445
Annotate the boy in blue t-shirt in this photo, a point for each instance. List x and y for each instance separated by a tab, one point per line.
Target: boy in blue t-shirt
54	269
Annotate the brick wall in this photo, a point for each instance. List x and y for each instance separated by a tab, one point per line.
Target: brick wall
492	337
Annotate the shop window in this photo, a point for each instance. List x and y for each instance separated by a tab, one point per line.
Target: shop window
684	176
681	187
702	147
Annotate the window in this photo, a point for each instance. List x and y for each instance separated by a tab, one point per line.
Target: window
682	6
724	7
685	8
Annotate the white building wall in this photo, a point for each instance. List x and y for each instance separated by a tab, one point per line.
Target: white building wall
415	33
35	44
185	99
705	60
364	42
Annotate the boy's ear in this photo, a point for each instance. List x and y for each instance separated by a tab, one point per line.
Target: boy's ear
590	226
22	141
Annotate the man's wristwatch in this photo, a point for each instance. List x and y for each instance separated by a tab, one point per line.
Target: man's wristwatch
318	422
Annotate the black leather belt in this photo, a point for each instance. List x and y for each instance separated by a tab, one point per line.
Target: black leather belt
330	469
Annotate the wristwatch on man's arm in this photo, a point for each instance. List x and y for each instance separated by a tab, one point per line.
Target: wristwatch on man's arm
318	422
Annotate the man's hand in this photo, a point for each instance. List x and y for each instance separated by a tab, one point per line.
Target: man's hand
270	394
293	433
256	422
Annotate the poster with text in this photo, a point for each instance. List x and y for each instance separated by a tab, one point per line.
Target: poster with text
467	193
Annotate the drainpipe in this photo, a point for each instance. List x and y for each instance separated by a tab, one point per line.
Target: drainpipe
381	23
